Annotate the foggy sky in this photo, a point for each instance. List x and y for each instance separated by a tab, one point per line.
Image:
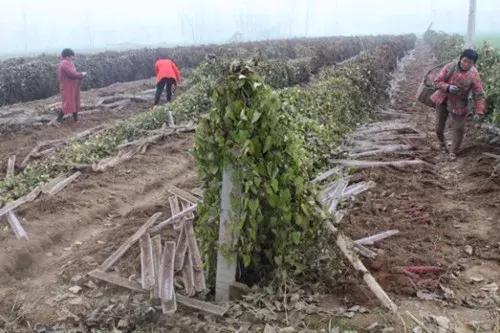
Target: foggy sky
50	25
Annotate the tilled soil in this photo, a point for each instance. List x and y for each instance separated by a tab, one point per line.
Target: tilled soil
438	210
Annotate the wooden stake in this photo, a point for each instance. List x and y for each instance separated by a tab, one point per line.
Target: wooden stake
16	226
376	164
110	162
22	200
184	195
63	183
185	205
376	238
202	306
492	155
326	174
148	139
346	247
194	254
128	243
336	195
180	250
24	163
51	183
193	245
173	219
365	252
117	280
175	209
199	280
170	118
11	164
156	243
380	150
333	189
418	322
186	301
357	188
147	262
390	126
188	275
166	279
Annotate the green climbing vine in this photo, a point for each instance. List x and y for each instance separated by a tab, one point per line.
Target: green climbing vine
276	217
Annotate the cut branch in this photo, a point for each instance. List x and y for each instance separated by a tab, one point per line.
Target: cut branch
59	183
376	238
346	247
377	164
357	188
326	175
11	165
173	219
110	162
184	195
381	150
128	243
22	200
116	280
16	226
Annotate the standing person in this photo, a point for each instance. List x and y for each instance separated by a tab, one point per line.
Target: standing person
167	74
69	86
454	82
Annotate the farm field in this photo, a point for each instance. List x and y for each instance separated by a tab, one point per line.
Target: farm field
343	109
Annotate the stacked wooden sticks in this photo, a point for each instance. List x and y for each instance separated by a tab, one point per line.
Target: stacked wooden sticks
161	260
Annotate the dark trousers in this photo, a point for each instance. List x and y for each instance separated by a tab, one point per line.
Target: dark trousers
169	82
60	116
457	127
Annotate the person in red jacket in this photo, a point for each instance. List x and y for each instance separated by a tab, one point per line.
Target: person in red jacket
69	86
167	74
454	82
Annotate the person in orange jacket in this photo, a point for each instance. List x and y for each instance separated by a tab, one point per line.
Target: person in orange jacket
167	74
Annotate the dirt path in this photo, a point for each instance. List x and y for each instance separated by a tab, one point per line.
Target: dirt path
448	216
438	211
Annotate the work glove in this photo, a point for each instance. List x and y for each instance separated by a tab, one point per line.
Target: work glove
453	89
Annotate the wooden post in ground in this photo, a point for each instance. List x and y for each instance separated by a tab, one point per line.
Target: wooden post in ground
471	24
11	164
170	119
226	265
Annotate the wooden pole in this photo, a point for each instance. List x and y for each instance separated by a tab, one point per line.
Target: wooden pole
471	24
11	164
226	265
147	262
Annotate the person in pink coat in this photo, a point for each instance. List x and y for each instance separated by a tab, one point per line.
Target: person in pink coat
69	86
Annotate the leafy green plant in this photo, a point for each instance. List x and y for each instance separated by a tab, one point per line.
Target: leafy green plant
275	215
489	67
